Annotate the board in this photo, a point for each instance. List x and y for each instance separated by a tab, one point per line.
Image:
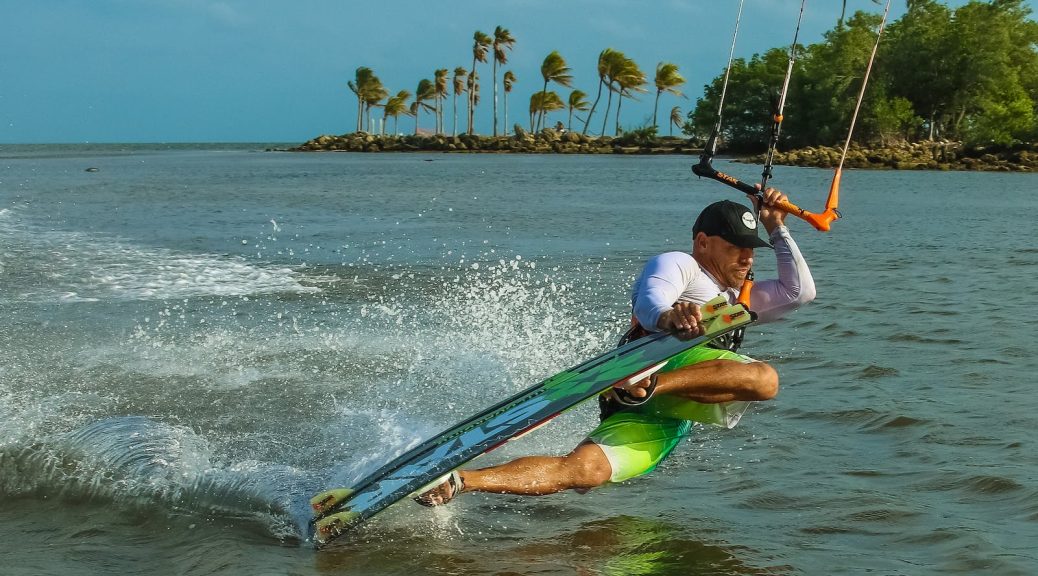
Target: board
340	510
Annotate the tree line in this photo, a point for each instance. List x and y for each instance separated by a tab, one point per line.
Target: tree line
968	74
617	74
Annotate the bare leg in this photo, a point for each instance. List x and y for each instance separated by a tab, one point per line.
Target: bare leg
586	467
582	469
715	381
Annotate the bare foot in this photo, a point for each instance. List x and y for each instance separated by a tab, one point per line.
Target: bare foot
443	492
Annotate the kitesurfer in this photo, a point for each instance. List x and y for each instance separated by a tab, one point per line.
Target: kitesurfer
643	421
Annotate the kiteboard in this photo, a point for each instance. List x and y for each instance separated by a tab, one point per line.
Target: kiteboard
340	510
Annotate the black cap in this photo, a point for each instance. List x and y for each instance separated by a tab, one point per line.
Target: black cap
731	221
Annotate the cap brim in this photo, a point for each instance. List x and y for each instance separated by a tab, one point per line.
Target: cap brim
752	242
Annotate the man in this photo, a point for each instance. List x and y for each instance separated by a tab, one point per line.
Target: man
643	421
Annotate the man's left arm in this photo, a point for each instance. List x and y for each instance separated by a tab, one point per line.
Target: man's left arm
794	287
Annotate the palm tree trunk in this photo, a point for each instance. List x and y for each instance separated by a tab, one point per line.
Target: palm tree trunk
506	113
592	111
619	102
656	109
360	112
569	123
609	104
471	100
495	94
540	118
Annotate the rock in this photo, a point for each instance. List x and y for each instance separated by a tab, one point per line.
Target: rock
550	135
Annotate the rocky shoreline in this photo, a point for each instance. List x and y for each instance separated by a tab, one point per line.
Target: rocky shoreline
547	141
906	156
916	156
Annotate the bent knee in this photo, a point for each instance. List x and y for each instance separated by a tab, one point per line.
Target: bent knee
589	467
766	381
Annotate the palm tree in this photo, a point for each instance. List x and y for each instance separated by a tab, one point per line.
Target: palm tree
480	45
508	81
554	69
667	80
395	106
440	88
503	40
676	119
472	85
603	69
576	102
374	94
615	64
630	80
543	102
359	86
459	88
426	91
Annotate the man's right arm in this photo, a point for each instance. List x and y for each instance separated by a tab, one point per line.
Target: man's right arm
658	288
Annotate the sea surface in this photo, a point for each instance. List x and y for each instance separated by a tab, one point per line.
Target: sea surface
196	339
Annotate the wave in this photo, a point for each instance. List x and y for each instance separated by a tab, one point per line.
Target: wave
138	463
48	266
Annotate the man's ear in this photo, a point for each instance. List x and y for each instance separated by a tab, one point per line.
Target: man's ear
698	242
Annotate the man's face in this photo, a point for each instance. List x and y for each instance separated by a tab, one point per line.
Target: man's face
725	261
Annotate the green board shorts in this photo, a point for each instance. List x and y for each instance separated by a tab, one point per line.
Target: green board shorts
636	440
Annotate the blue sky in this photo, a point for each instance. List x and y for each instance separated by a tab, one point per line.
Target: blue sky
268	71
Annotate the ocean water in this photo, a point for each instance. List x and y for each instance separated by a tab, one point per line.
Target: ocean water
197	339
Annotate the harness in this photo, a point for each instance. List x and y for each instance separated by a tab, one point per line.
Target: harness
607	403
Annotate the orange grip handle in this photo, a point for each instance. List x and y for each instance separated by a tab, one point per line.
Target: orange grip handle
819	221
744	293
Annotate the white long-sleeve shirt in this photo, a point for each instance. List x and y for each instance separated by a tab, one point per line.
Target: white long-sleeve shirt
677	277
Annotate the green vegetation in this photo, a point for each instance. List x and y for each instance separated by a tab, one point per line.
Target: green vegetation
576	102
667	80
616	73
969	74
503	41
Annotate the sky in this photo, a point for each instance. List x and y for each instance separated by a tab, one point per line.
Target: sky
77	71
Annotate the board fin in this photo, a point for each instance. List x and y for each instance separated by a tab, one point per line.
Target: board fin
329	499
711	308
327	528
